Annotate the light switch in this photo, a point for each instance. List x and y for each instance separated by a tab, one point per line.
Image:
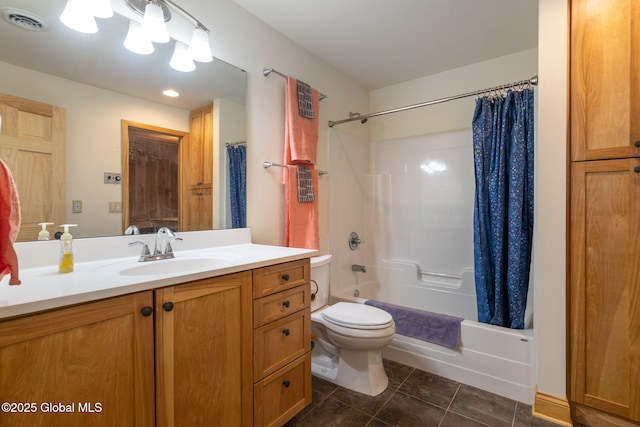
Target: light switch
115	207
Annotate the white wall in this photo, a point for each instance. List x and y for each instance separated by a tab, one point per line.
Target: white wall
93	139
450	115
549	264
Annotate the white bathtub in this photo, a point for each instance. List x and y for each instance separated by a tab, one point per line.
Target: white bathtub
495	359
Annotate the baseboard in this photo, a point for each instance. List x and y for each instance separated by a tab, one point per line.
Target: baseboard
552	409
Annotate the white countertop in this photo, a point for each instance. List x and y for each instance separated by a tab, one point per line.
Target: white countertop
99	274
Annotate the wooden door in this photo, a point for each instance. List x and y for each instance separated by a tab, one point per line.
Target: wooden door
605	79
203	351
88	365
152	161
605	286
32	144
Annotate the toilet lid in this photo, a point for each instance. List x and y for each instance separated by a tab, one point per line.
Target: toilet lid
356	315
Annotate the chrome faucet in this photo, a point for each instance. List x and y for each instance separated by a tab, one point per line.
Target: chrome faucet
358	267
162	250
164	237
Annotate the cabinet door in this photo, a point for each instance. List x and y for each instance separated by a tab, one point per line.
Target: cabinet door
203	351
605	286
605	79
88	365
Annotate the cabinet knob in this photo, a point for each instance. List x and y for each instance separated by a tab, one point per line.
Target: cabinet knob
637	144
286	304
636	169
146	311
167	306
285	277
286	332
286	383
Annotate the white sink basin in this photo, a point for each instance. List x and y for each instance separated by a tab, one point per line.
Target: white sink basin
173	266
176	266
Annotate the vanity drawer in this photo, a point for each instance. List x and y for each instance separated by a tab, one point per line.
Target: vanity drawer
279	277
280	342
281	395
276	306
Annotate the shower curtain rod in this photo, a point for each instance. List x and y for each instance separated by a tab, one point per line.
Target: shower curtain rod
232	144
533	81
267	71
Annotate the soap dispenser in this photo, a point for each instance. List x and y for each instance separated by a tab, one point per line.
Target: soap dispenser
66	250
44	233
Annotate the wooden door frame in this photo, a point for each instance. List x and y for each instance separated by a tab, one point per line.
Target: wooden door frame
182	144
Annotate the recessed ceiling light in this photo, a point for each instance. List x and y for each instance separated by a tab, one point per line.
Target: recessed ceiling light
170	92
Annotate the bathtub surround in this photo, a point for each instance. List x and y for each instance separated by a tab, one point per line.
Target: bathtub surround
503	211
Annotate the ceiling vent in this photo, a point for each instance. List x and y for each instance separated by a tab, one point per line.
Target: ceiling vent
25	20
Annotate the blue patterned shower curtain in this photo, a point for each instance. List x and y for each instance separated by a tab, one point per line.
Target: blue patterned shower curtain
503	211
237	156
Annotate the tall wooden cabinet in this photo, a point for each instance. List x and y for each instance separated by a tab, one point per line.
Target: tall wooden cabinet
198	176
604	294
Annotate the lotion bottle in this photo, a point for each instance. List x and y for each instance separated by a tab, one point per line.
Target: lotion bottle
44	233
66	250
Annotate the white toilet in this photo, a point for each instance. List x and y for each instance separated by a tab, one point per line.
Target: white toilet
349	337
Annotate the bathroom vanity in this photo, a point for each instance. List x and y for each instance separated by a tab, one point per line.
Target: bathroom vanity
220	335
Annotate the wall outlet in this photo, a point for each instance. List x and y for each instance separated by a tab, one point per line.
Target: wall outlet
112	178
76	206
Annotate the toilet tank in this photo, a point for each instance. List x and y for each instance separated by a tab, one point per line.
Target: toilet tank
320	281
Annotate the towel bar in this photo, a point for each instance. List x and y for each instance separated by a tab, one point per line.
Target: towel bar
269	164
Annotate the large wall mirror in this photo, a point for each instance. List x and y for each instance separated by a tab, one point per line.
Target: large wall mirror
100	84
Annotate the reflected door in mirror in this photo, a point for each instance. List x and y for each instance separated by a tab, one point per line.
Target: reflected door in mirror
32	144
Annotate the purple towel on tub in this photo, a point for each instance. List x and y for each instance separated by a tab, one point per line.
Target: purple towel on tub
433	327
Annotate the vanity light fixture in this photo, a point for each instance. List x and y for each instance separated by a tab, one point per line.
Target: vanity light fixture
150	28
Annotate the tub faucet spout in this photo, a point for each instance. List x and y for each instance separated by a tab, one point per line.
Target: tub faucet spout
358	267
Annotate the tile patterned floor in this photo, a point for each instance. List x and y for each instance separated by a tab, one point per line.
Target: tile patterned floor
413	398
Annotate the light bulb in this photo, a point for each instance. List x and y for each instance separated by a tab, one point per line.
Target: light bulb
77	17
181	60
136	42
199	47
153	25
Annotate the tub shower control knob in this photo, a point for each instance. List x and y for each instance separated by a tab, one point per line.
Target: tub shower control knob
354	241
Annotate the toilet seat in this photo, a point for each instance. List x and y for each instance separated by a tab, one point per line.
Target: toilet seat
357	316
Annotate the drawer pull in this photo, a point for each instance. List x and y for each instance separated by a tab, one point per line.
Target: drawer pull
286	383
167	306
285	277
146	311
286	304
637	144
286	332
636	169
